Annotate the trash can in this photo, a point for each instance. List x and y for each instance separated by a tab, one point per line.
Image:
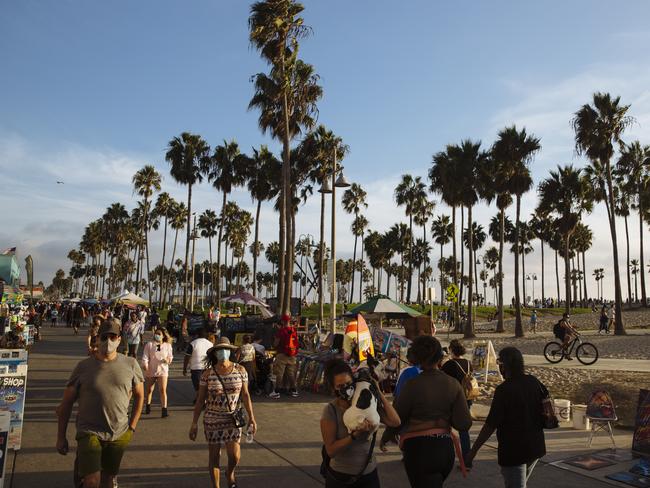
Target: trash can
562	409
580	419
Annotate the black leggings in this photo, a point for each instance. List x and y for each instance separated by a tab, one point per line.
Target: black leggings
370	480
428	460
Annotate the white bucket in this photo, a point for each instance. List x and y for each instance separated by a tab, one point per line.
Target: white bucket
562	409
580	419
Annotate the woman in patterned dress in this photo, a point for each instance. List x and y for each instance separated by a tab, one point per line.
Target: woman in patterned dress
218	423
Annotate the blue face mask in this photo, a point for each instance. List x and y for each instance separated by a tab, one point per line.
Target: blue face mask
223	355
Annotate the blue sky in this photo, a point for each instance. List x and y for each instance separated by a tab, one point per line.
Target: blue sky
93	90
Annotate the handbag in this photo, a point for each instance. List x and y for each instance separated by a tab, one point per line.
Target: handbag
238	415
469	383
325	470
549	419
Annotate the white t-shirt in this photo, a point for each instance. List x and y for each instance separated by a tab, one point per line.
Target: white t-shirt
197	350
259	348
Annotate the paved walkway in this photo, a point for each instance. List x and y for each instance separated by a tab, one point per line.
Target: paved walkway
286	450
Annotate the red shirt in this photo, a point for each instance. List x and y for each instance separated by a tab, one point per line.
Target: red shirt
287	341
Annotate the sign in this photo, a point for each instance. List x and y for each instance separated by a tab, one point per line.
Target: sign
12	400
452	292
358	340
641	439
484	361
5	419
431	294
14	360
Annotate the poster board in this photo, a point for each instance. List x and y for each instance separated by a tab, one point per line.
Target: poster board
12	400
358	339
5	419
641	439
484	362
15	361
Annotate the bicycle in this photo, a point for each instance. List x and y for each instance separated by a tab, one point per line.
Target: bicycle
585	352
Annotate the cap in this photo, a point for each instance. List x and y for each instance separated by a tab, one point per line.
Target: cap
223	343
110	326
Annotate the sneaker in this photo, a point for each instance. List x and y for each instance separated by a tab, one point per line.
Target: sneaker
165	413
147	409
294	393
275	395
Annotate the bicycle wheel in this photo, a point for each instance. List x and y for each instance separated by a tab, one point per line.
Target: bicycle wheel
587	353
553	352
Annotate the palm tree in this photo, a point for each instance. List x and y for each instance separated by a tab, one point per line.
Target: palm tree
597	128
163	208
540	227
565	195
490	261
634	266
358	228
272	255
622	209
634	163
186	154
286	99
478	240
512	153
423	212
409	193
208	227
354	199
442	232
400	237
226	169
145	183
177	220
583	239
261	169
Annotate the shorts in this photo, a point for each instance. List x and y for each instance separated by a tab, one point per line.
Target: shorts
96	455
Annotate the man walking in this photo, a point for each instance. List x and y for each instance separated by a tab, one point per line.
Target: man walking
284	366
195	356
102	385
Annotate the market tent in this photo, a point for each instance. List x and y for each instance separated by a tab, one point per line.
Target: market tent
129	298
248	299
384	306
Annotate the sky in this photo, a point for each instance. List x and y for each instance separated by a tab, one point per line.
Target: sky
91	91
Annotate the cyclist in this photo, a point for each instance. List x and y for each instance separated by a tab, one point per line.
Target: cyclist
567	334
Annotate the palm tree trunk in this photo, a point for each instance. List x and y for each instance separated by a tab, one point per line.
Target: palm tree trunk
557	279
567	275
162	271
187	244
146	248
541	243
584	283
462	254
442	288
291	252
619	329
171	267
321	261
219	238
469	327
523	274
104	274
627	249
455	268
519	330
255	246
354	262
644	298
211	274
500	325
362	268
475	272
410	282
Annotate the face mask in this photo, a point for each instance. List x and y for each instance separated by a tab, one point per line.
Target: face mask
158	338
107	346
345	392
223	355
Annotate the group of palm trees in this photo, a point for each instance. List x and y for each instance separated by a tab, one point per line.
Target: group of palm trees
115	248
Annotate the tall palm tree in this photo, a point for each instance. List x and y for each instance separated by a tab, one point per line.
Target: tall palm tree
261	169
208	227
187	154
540	227
634	163
286	98
442	232
163	208
512	153
226	169
565	195
145	183
409	193
583	237
358	228
354	199
400	238
177	220
622	209
491	260
478	240
634	265
597	128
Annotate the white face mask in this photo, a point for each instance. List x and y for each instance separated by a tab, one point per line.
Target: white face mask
223	355
158	338
108	346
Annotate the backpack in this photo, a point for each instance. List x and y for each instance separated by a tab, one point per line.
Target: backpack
557	330
290	345
469	383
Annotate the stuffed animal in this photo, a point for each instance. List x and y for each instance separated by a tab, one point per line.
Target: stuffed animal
363	404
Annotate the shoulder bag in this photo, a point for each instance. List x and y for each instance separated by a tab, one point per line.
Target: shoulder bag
238	415
469	383
549	419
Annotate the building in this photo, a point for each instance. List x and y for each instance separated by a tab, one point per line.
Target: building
9	268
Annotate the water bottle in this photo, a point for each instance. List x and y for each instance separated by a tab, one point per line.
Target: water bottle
249	434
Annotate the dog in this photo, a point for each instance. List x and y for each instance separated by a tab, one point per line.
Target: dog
364	403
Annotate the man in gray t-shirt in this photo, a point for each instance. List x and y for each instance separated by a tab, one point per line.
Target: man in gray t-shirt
102	385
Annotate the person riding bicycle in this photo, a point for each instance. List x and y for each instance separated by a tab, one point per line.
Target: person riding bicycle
567	334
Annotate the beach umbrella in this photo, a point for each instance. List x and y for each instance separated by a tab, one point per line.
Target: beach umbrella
247	299
384	306
129	298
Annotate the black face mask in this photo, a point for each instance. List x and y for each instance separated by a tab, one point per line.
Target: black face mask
345	392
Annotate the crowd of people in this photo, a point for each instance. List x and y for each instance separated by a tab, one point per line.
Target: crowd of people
430	404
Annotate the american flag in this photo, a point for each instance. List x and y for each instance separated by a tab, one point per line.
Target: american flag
8	252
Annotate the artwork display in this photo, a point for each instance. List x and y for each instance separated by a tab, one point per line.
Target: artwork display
588	462
630	479
12	400
641	439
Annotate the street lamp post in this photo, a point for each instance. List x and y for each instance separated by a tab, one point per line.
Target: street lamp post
339	182
193	248
310	244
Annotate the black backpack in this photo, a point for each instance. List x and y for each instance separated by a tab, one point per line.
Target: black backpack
557	330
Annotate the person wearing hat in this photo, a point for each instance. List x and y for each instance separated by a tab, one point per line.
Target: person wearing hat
222	389
285	364
102	385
